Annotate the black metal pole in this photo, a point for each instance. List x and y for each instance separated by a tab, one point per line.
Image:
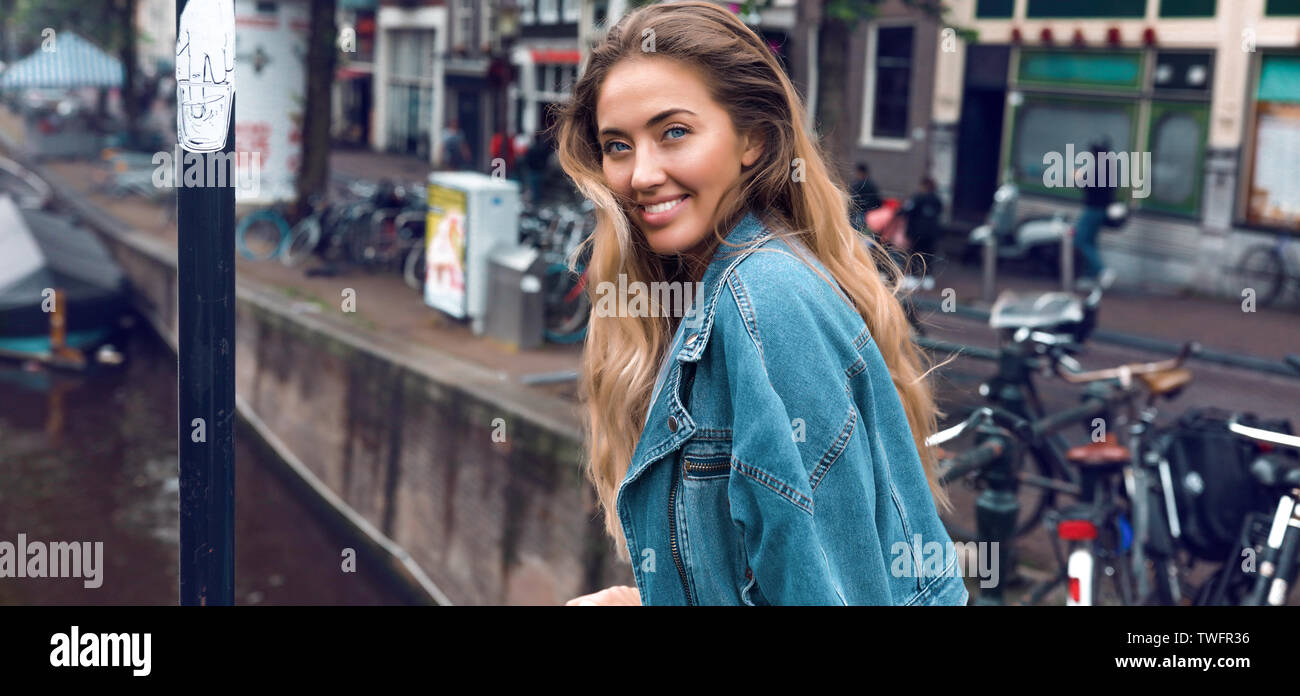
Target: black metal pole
206	311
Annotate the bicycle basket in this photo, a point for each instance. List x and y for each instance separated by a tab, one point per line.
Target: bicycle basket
1213	486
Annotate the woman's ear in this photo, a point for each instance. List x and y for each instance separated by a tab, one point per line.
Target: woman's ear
753	148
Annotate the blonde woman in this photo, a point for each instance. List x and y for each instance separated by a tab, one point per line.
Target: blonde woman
766	446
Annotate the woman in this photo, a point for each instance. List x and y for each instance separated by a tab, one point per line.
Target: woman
766	446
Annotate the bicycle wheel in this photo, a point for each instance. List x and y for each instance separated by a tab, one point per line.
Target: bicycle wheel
567	306
1034	500
413	270
1261	269
303	239
261	235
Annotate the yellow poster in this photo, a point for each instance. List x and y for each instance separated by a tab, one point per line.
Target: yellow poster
444	286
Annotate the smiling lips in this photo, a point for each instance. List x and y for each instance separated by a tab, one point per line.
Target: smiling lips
661	213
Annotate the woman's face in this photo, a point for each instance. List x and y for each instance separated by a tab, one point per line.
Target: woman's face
662	138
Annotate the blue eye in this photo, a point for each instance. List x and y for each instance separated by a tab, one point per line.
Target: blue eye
609	145
677	128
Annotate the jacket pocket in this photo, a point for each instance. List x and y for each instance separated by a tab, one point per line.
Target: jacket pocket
712	548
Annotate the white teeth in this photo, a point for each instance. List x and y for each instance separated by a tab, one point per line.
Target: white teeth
664	207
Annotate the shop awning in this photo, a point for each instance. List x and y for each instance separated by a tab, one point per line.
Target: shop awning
556	55
74	62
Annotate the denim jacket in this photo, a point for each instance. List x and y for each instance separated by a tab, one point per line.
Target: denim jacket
776	464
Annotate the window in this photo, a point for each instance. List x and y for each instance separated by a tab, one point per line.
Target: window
1058	125
1115	70
548	11
572	11
890	79
465	22
526	15
1086	8
1177	141
995	9
1187	8
1282	8
1274	198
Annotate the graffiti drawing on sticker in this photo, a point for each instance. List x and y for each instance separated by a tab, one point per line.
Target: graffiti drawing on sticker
205	74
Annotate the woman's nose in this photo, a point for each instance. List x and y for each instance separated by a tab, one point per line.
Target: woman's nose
647	173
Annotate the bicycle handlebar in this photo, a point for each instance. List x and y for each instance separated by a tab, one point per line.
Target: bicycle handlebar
975	458
1126	371
1276	438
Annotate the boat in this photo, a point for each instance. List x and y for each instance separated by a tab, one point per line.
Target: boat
61	293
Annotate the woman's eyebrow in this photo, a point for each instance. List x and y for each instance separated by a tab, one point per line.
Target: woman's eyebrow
653	120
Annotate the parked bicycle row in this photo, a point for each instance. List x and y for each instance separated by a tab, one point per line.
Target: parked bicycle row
382	227
1132	510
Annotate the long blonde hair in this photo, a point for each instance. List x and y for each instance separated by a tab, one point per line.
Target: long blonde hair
622	356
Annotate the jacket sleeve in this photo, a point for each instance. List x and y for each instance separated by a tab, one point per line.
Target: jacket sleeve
787	390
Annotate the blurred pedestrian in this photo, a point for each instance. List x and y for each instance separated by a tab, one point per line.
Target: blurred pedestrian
455	147
1097	197
536	160
922	211
865	195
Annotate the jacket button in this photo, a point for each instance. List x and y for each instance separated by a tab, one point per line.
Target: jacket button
672	423
690	340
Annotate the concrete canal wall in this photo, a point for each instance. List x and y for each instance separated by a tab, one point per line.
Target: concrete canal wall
400	440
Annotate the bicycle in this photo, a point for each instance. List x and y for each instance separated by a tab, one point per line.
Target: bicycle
263	234
1273	538
1035	333
1153	509
1266	269
558	234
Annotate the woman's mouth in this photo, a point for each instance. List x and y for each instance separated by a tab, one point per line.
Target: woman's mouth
662	213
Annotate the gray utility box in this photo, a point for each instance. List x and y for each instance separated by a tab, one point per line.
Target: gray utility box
516	312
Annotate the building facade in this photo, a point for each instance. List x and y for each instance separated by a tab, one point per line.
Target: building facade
1208	90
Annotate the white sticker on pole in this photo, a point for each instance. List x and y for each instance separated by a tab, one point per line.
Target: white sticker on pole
205	74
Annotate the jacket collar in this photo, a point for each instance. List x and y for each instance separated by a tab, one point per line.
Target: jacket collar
667	422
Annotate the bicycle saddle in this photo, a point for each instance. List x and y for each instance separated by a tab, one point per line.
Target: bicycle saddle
1047	311
1100	454
1166	382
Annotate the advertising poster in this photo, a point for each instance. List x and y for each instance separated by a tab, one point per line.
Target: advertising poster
444	286
270	50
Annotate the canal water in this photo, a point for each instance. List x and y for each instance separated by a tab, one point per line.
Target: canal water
92	458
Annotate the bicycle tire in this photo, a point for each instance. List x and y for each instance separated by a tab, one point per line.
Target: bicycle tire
1031	515
1261	268
303	239
567	311
256	223
413	270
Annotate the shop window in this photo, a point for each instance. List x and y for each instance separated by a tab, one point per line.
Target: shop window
1050	125
1177	142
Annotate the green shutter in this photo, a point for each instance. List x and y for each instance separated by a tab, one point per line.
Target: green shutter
1050	9
1279	79
995	9
1187	8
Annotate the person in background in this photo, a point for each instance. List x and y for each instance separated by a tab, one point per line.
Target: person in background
923	210
503	149
535	162
1096	198
865	195
455	147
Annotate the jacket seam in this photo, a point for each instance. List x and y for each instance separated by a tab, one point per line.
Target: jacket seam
930	586
747	315
836	449
776	485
